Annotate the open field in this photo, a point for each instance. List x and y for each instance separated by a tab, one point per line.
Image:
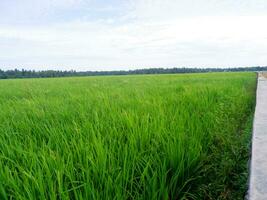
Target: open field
126	137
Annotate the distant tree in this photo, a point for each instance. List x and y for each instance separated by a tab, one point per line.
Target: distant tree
16	73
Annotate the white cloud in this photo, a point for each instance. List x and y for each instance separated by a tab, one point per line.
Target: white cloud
162	9
151	34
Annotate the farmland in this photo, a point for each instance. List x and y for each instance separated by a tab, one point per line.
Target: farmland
126	137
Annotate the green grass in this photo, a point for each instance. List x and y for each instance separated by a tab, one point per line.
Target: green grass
126	137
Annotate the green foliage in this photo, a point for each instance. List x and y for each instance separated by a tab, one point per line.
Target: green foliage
131	137
56	73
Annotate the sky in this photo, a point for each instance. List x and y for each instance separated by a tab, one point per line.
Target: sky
131	34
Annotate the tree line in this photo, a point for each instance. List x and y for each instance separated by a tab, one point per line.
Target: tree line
16	73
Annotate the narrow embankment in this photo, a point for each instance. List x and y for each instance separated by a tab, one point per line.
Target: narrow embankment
258	173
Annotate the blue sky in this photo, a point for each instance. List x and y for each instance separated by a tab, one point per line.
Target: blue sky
129	34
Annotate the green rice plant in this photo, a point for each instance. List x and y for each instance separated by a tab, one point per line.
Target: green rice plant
126	137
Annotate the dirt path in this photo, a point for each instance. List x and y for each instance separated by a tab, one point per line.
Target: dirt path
263	74
258	173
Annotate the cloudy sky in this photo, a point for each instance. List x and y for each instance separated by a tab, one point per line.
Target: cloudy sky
129	34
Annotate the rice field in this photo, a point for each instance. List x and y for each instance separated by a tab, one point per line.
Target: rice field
126	137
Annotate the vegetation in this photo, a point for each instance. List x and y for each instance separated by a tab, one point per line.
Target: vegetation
52	73
126	137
